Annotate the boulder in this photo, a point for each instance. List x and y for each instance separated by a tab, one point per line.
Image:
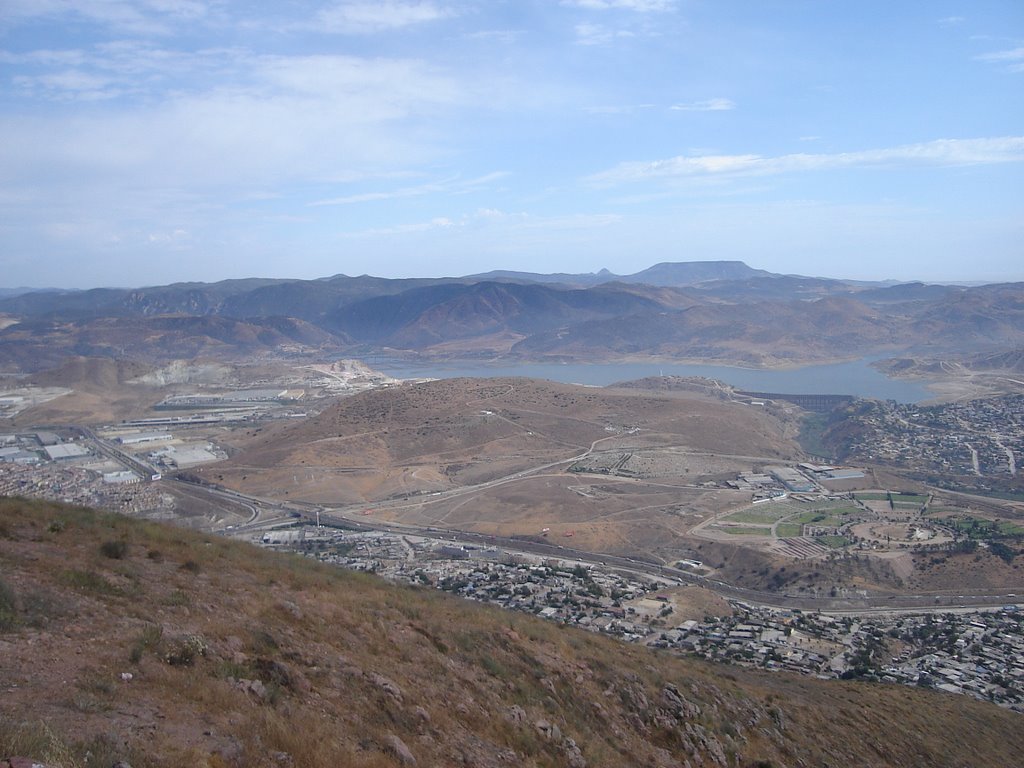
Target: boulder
398	748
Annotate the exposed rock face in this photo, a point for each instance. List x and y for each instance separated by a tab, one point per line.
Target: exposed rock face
674	703
398	748
389	687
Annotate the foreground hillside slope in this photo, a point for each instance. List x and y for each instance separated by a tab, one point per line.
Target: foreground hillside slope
127	640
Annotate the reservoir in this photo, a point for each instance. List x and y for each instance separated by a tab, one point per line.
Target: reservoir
849	378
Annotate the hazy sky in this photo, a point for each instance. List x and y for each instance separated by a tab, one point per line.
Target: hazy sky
150	141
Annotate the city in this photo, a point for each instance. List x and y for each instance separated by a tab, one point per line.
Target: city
978	653
966	445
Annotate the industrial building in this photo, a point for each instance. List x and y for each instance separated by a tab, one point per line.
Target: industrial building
144	437
121	478
791	479
65	451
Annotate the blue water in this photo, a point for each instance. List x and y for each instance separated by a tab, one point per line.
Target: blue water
851	378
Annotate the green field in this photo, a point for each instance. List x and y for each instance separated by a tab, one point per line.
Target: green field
765	513
742	531
979	528
818	517
795	517
846	511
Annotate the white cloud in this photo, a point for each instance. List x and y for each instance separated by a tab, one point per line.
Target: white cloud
942	152
951	21
453	186
497	221
316	118
1016	54
503	36
639	6
167	237
45	57
441	222
596	34
70	84
708	105
145	17
369	17
121	67
1013	59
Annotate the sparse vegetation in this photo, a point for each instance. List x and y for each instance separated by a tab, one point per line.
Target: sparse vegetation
279	654
115	550
8	607
89	581
148	640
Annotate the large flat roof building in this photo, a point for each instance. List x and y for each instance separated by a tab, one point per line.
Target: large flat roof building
65	451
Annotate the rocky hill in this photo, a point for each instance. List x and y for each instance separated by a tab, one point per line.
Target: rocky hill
128	641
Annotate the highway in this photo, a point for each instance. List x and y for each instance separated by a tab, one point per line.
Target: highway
351	518
145	471
263	513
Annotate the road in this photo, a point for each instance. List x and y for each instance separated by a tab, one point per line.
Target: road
351	518
145	471
269	512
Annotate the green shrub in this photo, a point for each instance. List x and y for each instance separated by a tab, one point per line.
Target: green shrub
148	640
187	651
179	598
89	581
115	550
8	608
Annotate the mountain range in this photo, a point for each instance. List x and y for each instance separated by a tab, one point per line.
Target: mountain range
722	311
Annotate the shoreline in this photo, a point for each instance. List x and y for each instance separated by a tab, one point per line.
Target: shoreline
848	376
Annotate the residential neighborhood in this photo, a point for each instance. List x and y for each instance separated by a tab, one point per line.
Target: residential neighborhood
979	653
978	441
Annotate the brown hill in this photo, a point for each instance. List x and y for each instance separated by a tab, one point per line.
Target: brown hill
984	317
1010	362
749	317
452	432
138	642
90	373
103	390
757	333
423	317
39	344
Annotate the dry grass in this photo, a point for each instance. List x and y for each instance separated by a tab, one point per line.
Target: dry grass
293	658
457	432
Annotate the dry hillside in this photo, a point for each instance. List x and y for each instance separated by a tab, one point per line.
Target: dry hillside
122	640
457	432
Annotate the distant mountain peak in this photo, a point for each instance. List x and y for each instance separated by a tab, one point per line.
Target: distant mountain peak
682	273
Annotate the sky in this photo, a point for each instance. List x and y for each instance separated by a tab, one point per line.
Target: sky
144	142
